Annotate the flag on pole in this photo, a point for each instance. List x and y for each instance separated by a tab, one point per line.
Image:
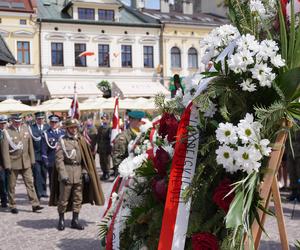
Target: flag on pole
74	109
86	53
115	130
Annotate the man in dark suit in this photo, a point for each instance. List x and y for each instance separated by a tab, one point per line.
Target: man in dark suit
50	140
39	170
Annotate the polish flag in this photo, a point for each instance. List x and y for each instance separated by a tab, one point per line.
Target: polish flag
115	122
74	109
86	53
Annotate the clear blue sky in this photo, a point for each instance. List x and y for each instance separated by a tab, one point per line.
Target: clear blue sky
152	4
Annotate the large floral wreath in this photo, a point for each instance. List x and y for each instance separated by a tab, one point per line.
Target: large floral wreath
238	103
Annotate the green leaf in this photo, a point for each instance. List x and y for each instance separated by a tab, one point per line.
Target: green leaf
289	83
283	34
234	215
292	35
296	57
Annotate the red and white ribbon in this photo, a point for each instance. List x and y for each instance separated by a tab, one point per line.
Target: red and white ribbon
176	213
115	130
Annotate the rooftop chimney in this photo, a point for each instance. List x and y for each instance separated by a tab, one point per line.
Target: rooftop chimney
164	6
138	4
187	7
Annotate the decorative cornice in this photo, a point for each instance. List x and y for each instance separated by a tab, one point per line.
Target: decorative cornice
148	40
4	33
126	40
106	39
79	38
22	33
56	36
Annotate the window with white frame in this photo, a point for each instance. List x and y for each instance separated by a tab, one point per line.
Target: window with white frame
126	56
103	55
80	61
23	52
192	58
148	57
57	54
175	58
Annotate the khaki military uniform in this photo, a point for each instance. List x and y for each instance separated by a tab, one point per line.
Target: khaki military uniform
19	160
69	165
120	148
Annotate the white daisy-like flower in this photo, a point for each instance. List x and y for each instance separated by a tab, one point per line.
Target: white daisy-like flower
114	197
248	42
248	130
240	61
263	146
257	7
248	85
212	109
226	133
263	74
278	61
247	158
225	157
128	165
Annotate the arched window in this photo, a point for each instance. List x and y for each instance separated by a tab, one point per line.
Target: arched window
193	58
175	58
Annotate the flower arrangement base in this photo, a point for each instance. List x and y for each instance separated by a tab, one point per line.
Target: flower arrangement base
270	187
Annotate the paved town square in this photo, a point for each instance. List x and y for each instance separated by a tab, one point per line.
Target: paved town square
37	231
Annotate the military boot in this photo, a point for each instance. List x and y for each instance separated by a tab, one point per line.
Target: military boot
61	222
75	223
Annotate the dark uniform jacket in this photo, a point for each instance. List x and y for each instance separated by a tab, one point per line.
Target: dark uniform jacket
37	140
49	142
103	140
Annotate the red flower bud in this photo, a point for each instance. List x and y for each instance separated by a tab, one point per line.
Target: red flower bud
204	241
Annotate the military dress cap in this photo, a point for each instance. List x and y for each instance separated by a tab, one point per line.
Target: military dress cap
71	123
54	118
3	118
39	114
16	117
136	114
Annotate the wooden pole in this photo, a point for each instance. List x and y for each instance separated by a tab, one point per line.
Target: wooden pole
269	187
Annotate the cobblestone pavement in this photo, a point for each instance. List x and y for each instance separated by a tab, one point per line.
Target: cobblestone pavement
37	231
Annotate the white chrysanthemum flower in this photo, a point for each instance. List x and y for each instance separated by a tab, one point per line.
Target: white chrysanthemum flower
114	197
240	61
278	61
248	130
268	49
263	146
247	158
226	133
128	165
225	157
248	42
248	85
263	74
212	109
257	7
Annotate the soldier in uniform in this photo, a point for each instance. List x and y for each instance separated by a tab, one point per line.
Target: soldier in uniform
3	171
18	158
77	175
120	147
50	140
104	146
39	170
293	163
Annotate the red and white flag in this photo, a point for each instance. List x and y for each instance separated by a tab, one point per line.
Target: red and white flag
177	211
74	109
115	130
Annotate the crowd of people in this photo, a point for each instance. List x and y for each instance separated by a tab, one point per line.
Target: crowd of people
61	154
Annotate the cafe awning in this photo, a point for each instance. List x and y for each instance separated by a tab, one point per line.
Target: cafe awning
59	89
24	89
138	89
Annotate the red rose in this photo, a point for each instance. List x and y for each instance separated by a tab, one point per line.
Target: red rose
168	126
161	160
204	241
159	189
220	192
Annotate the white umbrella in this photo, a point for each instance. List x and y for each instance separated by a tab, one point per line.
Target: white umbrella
10	106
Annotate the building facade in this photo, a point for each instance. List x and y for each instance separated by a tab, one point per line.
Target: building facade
86	42
181	33
20	32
